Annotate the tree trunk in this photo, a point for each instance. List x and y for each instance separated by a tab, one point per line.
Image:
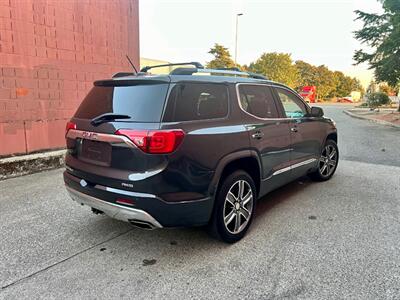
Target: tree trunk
398	95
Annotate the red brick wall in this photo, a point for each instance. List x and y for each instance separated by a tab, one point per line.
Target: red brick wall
50	53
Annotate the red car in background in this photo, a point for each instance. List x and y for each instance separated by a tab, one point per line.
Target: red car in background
309	93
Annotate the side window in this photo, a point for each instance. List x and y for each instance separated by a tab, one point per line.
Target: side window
258	101
294	107
196	101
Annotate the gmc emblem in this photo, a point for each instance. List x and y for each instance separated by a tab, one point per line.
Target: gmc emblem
89	135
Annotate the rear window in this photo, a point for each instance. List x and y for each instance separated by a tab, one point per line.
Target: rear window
143	103
258	101
196	101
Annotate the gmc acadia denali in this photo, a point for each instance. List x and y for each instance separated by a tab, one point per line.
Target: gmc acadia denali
194	147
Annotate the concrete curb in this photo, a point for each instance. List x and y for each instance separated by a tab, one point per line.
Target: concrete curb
381	122
26	164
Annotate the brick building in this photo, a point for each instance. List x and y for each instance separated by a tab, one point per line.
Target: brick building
50	53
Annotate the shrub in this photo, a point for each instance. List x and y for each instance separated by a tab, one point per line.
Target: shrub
364	104
377	99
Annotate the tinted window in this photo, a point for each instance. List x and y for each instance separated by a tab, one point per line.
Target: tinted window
293	106
144	103
197	101
258	101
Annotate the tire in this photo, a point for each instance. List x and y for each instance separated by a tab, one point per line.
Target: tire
327	162
231	207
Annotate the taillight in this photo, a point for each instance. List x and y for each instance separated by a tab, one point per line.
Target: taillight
70	125
154	141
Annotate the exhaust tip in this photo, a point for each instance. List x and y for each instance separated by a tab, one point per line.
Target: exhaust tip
96	211
142	224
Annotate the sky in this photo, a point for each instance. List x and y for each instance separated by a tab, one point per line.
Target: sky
319	32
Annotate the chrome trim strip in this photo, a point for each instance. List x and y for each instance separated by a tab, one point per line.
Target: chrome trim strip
146	174
145	195
115	211
283	170
303	163
102	137
124	192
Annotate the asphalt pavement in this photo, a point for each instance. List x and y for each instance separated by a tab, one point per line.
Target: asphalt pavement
363	140
332	240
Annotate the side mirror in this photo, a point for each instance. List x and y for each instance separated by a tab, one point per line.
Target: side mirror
317	112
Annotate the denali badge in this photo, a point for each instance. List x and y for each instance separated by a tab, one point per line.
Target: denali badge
127	184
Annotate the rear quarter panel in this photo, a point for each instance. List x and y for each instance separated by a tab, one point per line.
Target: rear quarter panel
192	167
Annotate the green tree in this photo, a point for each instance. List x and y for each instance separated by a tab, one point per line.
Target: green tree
381	33
372	87
328	83
325	82
343	85
222	58
306	72
387	89
357	86
375	100
277	67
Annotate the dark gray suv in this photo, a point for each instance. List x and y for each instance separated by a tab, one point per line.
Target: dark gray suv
194	147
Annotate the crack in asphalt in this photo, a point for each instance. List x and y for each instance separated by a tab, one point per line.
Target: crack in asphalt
62	261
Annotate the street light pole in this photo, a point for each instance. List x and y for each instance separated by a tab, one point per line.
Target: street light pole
236	35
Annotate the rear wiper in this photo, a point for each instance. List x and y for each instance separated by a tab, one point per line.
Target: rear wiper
107	117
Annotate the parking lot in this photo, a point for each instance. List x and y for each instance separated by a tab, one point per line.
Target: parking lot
337	239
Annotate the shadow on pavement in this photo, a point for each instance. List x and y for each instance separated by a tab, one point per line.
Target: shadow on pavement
281	195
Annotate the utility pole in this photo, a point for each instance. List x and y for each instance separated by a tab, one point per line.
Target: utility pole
236	36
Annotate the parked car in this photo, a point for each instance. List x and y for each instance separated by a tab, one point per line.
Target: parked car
354	96
190	150
347	99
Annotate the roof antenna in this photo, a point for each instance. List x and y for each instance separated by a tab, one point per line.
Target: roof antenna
131	63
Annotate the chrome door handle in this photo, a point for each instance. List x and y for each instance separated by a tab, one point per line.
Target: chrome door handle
257	135
293	129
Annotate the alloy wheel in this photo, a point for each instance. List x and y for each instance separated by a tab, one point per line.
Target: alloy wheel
238	206
328	161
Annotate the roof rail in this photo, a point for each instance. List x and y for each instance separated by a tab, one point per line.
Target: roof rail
193	63
221	71
257	76
230	69
184	71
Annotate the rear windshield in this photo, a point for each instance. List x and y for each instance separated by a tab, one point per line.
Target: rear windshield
143	103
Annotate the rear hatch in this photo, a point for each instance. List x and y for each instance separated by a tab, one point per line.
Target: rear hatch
105	136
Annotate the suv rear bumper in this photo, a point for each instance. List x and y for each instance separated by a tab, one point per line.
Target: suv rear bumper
115	211
148	208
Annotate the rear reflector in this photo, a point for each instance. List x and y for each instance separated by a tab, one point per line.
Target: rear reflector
70	125
154	141
125	201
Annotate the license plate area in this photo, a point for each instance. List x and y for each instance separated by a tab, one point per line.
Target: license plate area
95	152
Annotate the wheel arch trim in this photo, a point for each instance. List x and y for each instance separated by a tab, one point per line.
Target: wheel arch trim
229	158
329	133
